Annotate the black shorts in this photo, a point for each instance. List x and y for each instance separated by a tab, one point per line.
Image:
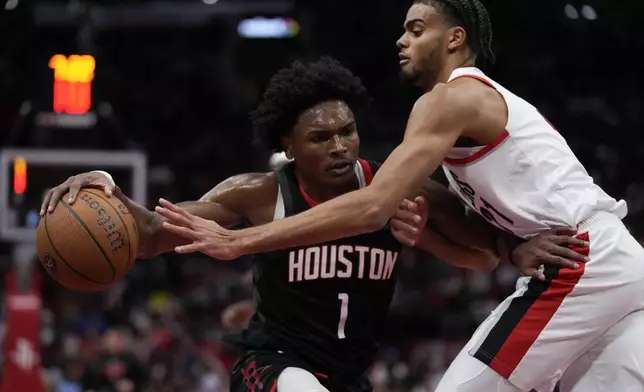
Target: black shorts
258	370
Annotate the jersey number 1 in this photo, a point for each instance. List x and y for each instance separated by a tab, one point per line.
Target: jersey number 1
344	312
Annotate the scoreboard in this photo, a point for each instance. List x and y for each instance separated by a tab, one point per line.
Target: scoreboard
73	78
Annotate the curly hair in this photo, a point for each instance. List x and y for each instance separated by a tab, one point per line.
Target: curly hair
293	90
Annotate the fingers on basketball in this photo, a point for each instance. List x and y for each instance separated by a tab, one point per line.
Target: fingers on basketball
90	245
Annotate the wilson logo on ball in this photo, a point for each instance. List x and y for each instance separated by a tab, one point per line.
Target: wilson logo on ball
49	262
105	221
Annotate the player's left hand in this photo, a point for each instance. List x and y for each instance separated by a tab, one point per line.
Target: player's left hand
207	236
558	246
410	219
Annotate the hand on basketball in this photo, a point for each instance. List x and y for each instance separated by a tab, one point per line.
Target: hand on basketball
207	236
73	185
555	246
409	221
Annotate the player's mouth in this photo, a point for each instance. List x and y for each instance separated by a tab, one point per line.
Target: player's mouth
340	168
403	59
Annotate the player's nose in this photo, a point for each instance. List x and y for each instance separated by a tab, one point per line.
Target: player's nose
402	42
338	145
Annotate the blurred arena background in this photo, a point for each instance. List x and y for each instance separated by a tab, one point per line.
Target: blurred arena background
164	91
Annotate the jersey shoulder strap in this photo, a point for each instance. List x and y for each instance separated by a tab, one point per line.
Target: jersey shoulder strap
369	169
289	189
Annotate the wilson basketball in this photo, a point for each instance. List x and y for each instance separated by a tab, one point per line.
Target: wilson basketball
89	245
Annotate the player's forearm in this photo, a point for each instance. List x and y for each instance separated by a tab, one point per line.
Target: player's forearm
470	230
432	241
352	214
154	240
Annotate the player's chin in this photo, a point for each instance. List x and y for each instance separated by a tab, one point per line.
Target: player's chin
407	73
339	177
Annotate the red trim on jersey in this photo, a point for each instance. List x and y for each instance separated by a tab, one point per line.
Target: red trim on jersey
479	78
537	317
480	153
366	169
305	195
274	387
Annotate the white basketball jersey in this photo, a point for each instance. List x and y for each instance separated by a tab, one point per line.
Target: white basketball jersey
528	180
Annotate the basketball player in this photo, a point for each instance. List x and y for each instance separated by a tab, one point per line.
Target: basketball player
320	309
509	164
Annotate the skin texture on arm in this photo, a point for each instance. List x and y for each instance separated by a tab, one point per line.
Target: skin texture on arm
434	242
454	234
437	120
243	198
449	216
231	202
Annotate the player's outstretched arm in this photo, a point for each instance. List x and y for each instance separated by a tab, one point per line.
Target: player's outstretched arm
225	204
437	120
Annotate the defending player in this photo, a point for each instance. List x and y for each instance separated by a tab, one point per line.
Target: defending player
320	308
509	164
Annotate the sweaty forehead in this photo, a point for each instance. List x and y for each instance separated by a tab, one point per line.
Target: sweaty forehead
330	114
420	11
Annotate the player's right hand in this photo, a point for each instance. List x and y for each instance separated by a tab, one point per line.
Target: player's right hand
73	185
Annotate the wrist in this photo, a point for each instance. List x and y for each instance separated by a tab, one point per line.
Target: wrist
110	179
505	248
248	240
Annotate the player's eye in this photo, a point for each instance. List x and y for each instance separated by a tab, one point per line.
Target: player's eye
319	139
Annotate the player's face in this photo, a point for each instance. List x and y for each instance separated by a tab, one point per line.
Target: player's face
423	45
325	142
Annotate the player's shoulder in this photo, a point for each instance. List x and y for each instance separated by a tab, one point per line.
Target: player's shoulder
243	187
461	97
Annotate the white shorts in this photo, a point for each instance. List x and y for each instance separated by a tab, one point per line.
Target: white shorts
533	336
294	379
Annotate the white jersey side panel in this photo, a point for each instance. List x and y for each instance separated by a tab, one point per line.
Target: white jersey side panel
528	180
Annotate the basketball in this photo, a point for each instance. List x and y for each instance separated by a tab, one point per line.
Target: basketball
88	245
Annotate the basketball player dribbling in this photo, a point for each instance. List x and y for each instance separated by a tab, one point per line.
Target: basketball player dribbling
321	308
508	163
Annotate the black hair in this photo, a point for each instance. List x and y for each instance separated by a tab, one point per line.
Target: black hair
473	17
293	90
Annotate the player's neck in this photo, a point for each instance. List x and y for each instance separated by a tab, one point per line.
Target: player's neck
453	63
324	192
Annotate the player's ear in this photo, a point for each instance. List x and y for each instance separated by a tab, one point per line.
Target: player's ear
456	38
286	145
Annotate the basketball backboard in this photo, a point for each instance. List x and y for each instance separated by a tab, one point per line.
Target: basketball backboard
26	174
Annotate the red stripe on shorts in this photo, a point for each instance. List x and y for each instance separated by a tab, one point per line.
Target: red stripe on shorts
537	317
